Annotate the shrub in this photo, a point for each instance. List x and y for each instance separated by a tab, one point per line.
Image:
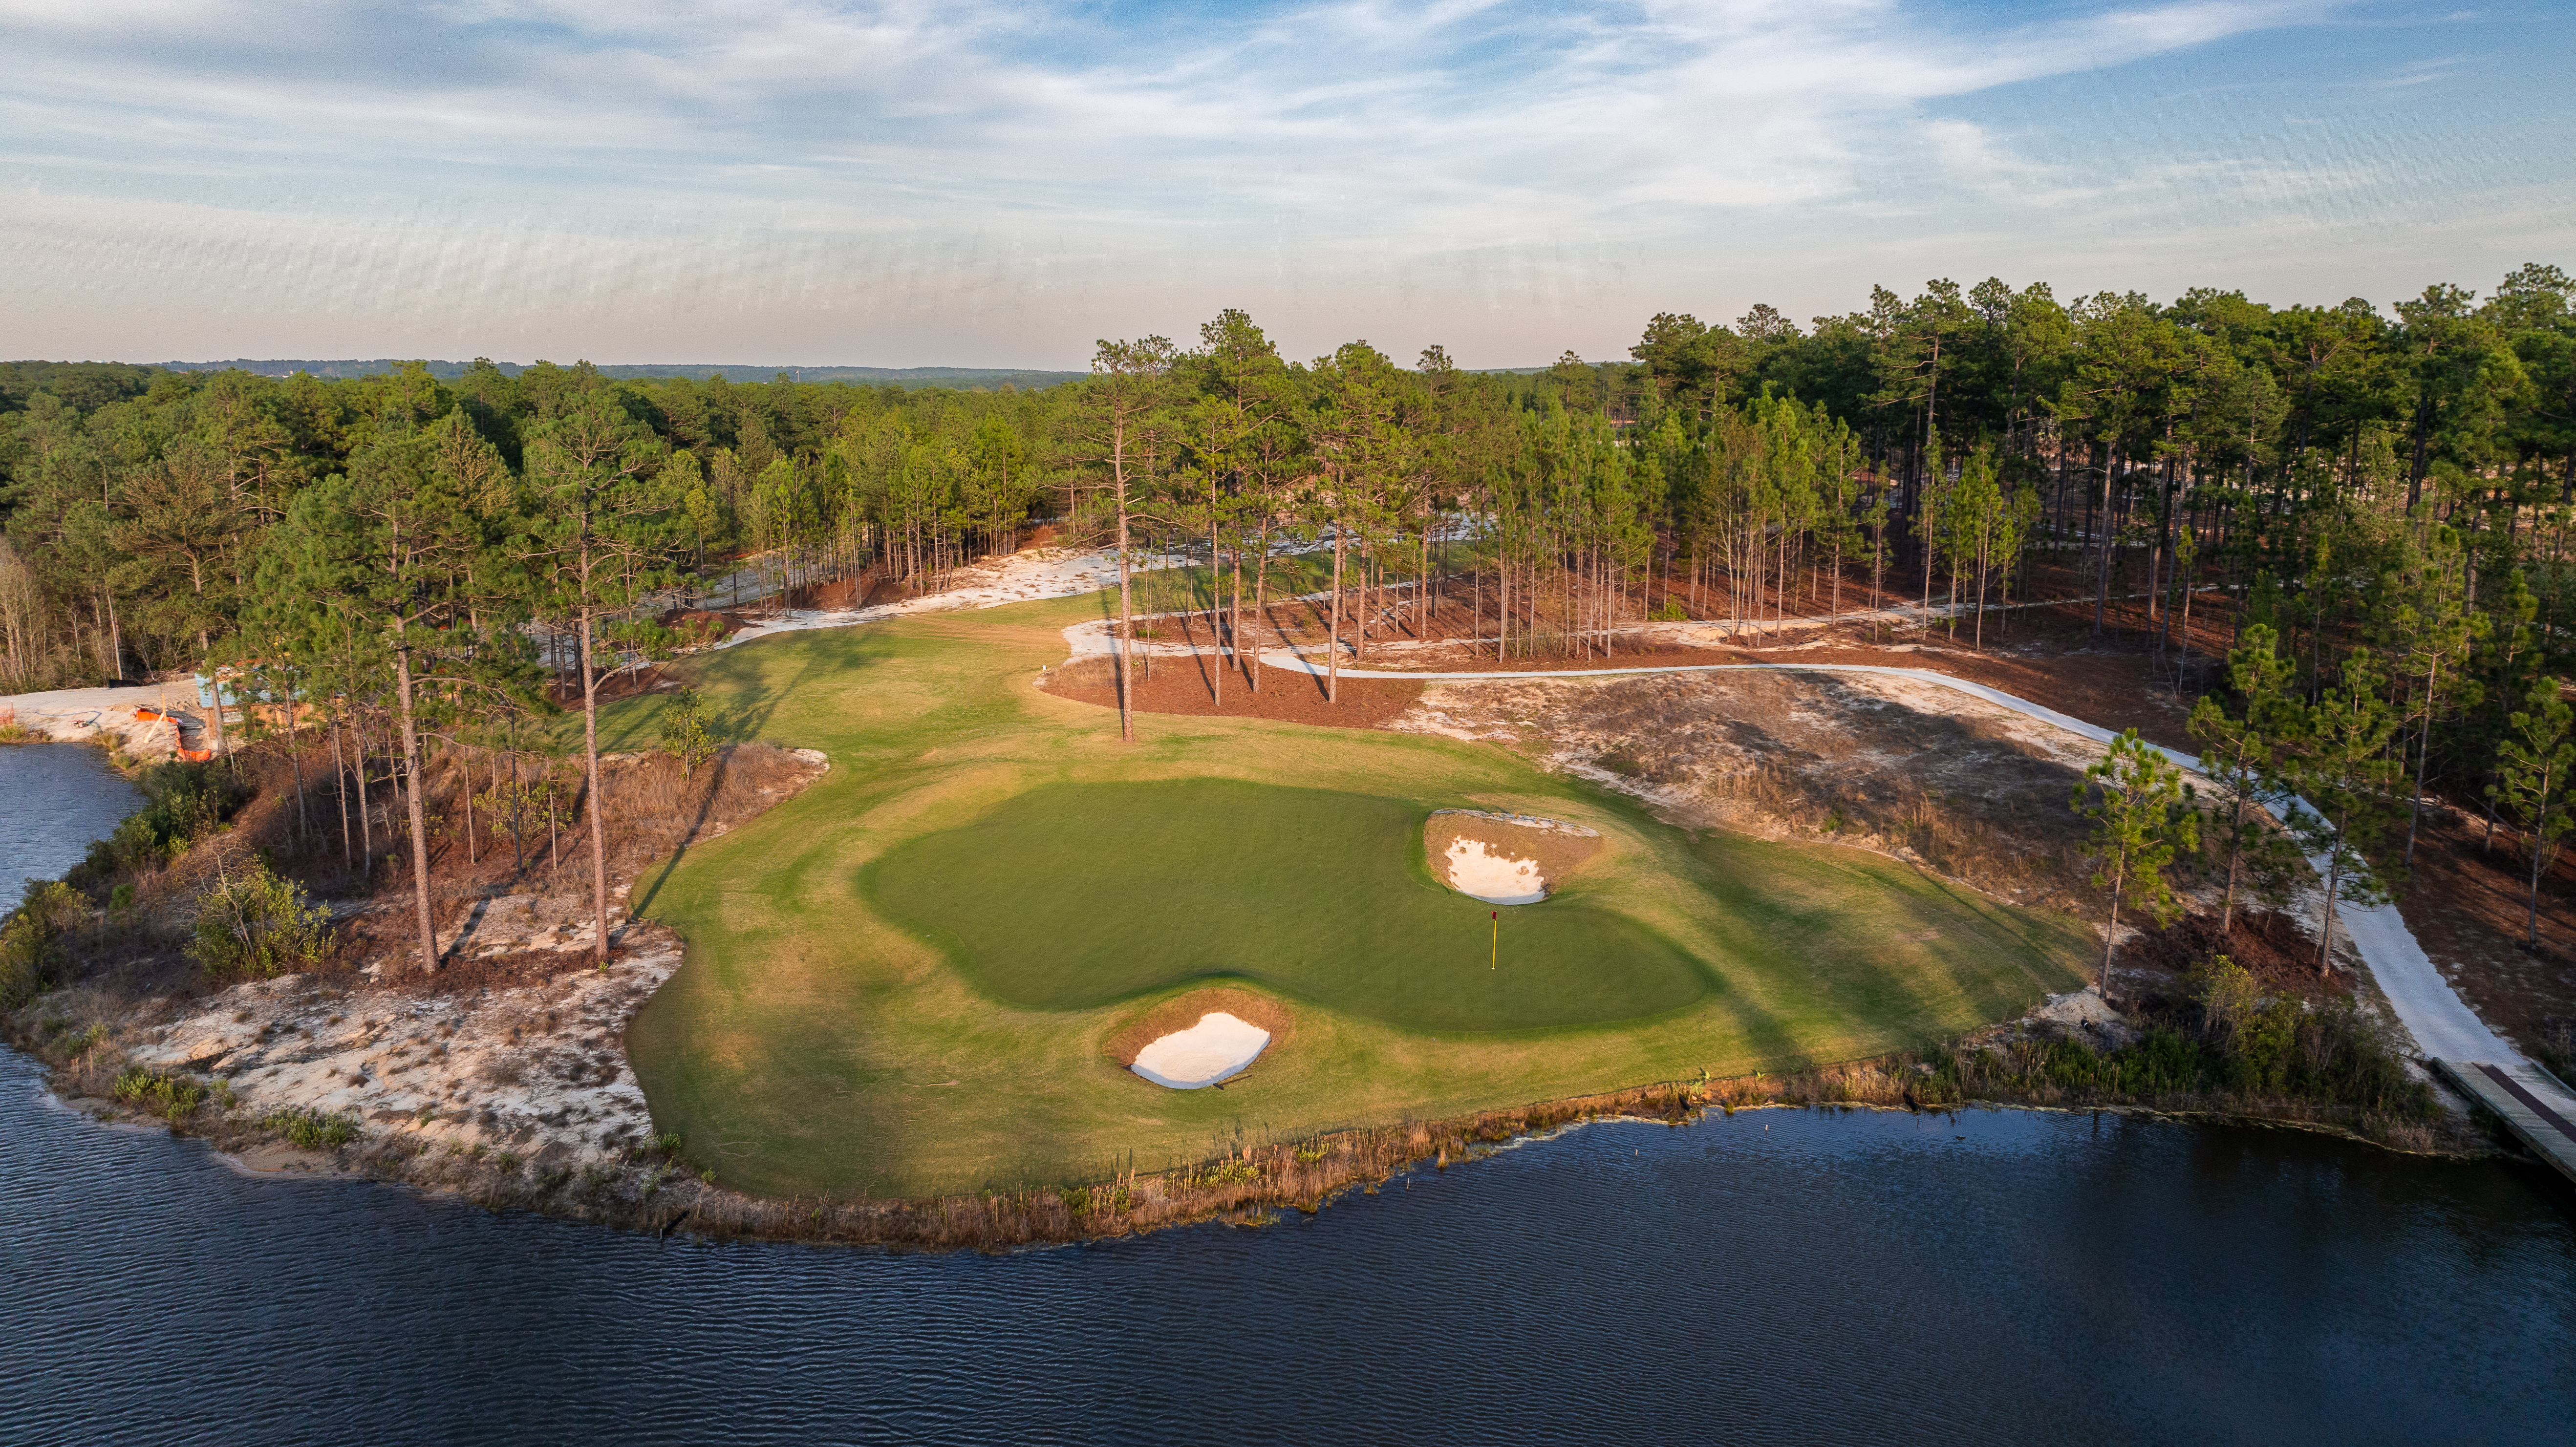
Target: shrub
313	1130
254	924
30	939
684	732
169	1095
186	802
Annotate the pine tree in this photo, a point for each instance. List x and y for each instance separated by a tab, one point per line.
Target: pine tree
2142	816
2534	758
2239	756
2338	762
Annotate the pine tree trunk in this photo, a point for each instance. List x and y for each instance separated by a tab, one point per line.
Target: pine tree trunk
598	795
1260	597
340	787
1126	628
2334	886
419	830
1216	611
1333	627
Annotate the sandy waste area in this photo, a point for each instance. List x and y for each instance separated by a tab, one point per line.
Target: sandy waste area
538	1069
1023	576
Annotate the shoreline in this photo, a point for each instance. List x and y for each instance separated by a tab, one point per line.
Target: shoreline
650	1188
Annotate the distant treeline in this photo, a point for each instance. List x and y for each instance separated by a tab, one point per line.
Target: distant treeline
992	378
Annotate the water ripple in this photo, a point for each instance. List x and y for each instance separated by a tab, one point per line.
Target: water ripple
1861	1276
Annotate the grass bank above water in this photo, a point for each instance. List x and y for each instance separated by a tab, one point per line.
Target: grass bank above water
869	1012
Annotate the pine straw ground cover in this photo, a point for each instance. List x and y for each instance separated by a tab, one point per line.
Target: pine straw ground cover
813	1046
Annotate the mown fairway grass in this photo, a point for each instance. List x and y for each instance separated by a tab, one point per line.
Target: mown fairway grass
902	981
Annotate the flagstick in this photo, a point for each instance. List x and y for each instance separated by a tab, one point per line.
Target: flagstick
1495	961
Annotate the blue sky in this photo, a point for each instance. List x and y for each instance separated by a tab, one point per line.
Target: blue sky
969	183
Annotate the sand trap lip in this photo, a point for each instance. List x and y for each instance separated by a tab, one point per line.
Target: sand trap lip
1217	1048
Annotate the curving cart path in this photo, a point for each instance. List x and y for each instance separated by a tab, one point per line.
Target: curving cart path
2443	1025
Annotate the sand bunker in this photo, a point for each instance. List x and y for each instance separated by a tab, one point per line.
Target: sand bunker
1505	858
1493	877
1217	1047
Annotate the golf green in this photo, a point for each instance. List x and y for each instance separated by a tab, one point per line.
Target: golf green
1072	896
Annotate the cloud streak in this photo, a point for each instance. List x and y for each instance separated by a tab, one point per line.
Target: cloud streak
1106	145
1452	124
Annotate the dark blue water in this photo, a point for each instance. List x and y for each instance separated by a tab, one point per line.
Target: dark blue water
1777	1277
54	799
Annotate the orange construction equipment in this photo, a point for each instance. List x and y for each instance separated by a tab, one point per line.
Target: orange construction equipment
196	756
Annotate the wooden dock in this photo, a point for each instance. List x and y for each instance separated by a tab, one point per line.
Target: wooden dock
2532	1105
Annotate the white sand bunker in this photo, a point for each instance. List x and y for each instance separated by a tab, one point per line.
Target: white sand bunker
1493	878
1505	858
1217	1047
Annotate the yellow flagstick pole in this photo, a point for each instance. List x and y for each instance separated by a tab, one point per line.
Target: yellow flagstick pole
1495	962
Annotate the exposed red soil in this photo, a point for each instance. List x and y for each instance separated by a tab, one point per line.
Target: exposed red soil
715	622
1185	686
2468	907
2049	655
837	594
2274	948
467	974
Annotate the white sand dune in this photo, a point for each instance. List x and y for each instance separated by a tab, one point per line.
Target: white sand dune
1217	1047
1492	877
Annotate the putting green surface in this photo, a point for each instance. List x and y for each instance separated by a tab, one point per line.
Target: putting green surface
906	979
1325	895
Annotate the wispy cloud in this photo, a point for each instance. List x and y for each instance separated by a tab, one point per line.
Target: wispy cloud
1452	124
914	149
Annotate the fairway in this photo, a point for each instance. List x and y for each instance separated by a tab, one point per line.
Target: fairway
1115	889
908	979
